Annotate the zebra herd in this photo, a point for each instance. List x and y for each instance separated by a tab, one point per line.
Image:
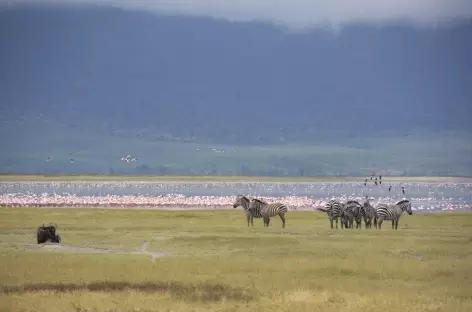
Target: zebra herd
347	212
352	211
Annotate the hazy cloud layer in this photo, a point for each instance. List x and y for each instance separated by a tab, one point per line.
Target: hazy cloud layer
300	13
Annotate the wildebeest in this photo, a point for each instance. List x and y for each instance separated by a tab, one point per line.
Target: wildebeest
46	233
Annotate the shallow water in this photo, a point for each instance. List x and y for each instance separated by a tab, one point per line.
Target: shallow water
424	196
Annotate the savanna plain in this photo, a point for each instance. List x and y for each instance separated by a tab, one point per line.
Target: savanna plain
155	260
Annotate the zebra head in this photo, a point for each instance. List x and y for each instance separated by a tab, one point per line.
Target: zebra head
405	205
243	201
352	205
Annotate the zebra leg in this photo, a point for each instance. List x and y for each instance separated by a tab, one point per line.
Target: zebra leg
358	223
331	221
266	221
393	224
375	222
348	223
248	220
396	224
282	217
252	220
380	223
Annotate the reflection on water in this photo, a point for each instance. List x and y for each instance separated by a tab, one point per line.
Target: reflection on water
424	196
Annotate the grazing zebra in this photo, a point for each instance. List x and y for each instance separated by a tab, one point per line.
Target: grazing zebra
393	212
369	213
267	211
335	210
352	211
244	202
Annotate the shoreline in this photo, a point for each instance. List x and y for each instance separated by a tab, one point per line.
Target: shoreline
193	208
232	179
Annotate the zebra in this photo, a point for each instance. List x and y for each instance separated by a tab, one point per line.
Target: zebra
335	209
369	213
352	211
259	207
244	202
393	212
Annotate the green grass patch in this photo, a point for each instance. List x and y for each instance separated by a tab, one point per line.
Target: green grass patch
214	262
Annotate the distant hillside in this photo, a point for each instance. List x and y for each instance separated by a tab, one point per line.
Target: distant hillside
72	76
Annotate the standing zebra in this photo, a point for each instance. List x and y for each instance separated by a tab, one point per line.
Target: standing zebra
393	212
369	213
244	202
259	207
352	211
335	209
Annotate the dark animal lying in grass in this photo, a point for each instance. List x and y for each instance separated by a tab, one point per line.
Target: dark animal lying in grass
47	233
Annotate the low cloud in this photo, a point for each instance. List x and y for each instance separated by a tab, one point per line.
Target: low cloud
300	13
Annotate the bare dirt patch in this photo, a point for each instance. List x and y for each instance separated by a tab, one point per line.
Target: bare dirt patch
54	247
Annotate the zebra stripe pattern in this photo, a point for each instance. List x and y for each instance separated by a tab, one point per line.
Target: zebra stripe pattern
267	211
393	212
353	211
369	213
335	210
244	202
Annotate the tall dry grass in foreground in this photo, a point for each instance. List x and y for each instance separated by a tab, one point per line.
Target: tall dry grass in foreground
214	262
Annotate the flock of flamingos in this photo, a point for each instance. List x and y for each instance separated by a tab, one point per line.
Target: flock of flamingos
95	195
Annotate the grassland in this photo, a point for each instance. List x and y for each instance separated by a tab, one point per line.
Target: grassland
176	178
214	262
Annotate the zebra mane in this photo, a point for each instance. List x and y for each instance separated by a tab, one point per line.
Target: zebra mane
243	198
402	202
260	201
352	202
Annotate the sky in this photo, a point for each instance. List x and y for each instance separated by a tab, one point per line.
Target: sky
299	13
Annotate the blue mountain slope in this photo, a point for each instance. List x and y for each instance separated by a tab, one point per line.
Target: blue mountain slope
198	79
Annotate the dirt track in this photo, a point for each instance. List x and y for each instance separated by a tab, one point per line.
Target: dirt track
76	249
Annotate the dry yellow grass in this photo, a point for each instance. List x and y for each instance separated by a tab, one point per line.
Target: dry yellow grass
214	262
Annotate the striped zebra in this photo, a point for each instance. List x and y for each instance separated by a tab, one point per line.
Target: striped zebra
352	211
335	210
369	213
267	211
393	212
244	202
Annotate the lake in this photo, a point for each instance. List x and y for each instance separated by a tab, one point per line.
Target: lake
298	195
